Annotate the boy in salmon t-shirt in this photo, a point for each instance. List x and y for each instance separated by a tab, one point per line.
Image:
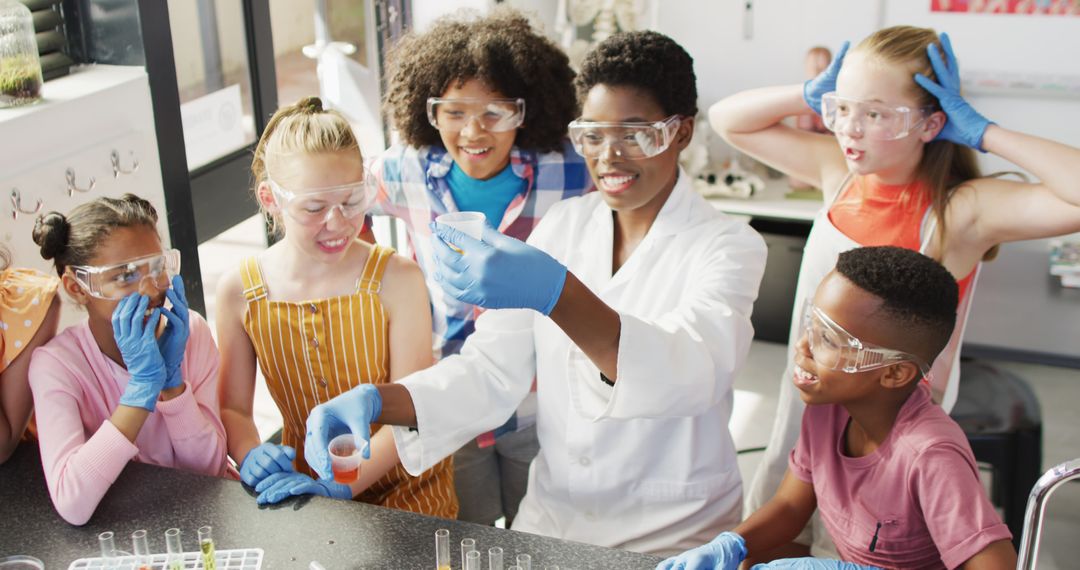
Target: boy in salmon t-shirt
893	476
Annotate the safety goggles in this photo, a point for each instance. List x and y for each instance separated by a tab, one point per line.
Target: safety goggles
632	141
873	120
117	281
493	115
836	349
317	206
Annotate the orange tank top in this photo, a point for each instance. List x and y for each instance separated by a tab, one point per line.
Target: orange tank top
873	214
312	351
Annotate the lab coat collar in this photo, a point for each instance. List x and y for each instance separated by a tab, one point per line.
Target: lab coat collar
675	215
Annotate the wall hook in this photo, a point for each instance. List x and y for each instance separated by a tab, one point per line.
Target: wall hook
72	188
17	207
117	170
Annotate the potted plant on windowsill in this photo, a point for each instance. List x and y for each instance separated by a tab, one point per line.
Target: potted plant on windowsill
20	69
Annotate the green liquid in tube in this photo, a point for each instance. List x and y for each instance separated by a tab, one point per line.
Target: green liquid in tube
207	547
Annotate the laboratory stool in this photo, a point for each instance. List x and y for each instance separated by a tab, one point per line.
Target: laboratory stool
1001	417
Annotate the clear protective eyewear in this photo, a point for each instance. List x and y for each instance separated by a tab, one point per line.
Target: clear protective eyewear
316	206
836	349
493	115
873	120
117	281
631	141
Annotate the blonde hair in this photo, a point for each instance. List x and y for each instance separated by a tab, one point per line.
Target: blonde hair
305	128
945	165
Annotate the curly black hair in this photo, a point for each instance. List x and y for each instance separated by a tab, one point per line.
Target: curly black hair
917	293
645	60
504	51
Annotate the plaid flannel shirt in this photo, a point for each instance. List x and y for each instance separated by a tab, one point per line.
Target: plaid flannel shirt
413	187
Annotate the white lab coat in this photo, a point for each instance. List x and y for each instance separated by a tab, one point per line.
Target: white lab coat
648	465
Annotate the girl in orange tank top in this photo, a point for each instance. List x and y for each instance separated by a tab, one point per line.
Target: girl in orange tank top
899	126
319	313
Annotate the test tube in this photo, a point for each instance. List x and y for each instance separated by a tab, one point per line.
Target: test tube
514	567
525	561
472	560
206	545
467	545
495	558
108	548
174	549
442	549
141	550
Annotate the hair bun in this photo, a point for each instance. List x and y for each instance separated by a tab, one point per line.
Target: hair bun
310	105
51	234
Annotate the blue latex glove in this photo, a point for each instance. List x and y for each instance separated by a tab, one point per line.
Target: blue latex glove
280	486
964	124
811	564
353	411
825	82
134	334
499	272
265	460
725	552
173	342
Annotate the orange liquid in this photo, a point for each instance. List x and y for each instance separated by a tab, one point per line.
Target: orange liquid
347	477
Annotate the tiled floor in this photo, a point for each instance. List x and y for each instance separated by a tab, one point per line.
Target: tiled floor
1058	390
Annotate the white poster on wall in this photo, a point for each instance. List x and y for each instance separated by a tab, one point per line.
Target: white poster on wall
213	125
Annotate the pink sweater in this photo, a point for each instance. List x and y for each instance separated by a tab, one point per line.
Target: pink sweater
76	389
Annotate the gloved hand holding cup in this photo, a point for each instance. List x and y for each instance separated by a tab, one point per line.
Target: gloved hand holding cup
468	223
352	413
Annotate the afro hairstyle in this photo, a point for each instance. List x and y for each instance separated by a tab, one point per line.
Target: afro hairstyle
918	295
503	51
644	60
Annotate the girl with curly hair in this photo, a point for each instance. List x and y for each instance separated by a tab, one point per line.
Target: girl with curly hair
481	104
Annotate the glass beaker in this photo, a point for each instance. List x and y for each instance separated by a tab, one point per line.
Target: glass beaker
20	68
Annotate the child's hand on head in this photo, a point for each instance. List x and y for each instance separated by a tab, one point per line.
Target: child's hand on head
964	125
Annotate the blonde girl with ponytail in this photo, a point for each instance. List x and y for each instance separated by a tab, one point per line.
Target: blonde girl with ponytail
319	313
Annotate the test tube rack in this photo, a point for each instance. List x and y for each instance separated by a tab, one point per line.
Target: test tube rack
236	559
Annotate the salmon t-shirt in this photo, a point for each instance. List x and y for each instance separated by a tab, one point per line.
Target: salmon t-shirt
915	502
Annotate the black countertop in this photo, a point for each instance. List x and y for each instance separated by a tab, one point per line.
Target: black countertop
337	534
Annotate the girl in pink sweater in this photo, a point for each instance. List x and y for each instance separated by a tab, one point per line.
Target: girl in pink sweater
137	380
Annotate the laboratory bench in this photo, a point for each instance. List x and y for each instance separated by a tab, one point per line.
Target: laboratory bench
337	534
1019	312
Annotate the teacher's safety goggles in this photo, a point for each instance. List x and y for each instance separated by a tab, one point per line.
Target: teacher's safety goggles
835	348
317	205
871	119
631	141
493	115
117	281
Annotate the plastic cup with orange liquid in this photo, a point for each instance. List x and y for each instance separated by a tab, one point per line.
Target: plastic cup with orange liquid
345	458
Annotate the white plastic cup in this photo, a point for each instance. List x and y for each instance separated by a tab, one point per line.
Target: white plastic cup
468	223
345	458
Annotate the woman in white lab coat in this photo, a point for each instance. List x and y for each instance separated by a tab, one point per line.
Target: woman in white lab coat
630	306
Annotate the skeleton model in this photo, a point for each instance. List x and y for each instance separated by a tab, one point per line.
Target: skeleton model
605	18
